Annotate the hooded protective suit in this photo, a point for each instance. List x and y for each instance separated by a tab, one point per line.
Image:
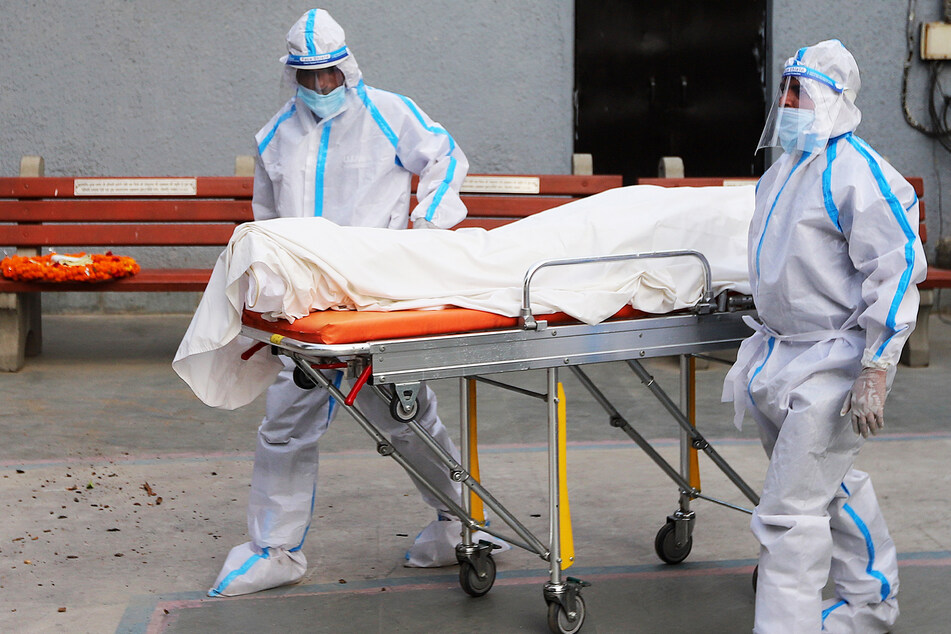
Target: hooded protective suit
352	167
834	258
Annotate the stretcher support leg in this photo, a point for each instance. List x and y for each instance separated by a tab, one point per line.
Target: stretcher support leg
461	475
383	445
617	420
697	440
554	480
476	566
566	610
457	473
683	518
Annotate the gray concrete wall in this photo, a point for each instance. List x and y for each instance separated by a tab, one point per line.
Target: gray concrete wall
134	88
124	87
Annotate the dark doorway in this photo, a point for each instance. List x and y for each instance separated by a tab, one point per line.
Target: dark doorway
674	78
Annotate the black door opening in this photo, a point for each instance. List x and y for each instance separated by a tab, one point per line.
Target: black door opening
675	78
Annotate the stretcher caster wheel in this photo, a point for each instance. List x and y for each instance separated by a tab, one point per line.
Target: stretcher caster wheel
666	546
560	622
403	415
474	584
303	381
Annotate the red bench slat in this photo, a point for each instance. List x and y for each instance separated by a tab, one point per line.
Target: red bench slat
510	207
116	235
62	187
557	184
707	181
937	278
123	210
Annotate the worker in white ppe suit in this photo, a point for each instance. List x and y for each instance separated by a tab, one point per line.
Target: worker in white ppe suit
834	258
344	151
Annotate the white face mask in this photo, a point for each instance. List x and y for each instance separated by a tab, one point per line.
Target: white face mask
793	123
323	105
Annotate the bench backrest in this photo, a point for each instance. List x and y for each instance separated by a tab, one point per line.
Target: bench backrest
919	184
60	211
65	211
707	181
494	200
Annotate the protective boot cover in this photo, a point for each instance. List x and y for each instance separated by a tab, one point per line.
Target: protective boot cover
250	569
435	545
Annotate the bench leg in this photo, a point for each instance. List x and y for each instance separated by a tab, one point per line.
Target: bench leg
916	353
20	333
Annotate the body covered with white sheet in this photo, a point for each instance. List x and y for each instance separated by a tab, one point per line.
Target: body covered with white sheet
287	268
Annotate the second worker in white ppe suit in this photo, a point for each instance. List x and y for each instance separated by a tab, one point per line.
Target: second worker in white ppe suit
834	258
344	151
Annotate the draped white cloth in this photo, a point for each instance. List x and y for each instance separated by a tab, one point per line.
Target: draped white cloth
289	267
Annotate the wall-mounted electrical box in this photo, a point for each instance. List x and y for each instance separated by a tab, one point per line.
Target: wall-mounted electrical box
936	40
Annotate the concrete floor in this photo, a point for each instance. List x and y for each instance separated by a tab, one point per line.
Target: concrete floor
122	494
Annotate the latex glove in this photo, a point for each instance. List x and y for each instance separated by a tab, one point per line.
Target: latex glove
422	223
867	402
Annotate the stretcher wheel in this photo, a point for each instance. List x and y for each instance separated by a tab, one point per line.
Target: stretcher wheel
558	621
303	381
471	582
665	544
400	414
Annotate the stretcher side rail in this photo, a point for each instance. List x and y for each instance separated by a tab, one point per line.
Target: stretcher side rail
72	213
527	320
450	356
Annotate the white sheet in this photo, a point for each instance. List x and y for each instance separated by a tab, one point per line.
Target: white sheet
287	267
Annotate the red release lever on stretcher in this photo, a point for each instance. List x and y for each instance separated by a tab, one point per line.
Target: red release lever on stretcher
247	354
360	382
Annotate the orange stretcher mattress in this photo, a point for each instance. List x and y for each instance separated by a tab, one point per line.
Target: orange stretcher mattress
346	326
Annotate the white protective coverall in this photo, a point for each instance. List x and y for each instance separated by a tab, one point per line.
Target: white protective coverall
834	258
353	168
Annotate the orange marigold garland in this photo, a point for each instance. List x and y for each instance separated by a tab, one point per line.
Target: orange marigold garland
77	267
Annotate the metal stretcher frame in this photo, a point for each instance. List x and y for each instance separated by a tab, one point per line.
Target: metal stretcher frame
394	369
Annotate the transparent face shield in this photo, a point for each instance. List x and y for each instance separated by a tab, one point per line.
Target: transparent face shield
803	116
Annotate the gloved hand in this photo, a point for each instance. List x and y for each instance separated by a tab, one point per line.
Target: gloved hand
422	223
867	402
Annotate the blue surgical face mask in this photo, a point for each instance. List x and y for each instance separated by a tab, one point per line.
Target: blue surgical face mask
323	105
793	123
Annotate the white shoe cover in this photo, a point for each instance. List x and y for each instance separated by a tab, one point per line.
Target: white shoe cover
840	617
435	546
250	569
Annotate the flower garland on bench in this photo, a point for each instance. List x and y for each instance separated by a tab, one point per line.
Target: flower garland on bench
77	267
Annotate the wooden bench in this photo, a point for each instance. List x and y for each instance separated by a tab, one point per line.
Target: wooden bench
99	214
916	352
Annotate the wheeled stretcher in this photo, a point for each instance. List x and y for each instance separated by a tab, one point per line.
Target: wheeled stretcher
391	353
